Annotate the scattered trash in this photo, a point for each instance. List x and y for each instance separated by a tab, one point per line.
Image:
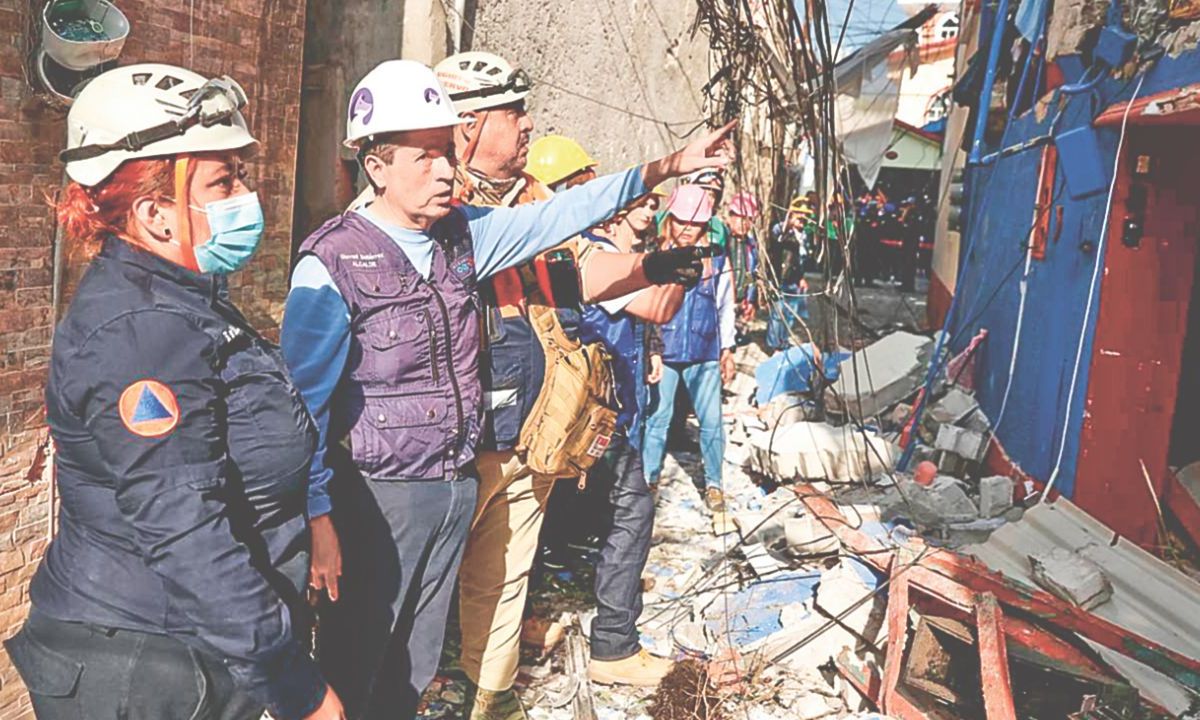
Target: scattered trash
793	370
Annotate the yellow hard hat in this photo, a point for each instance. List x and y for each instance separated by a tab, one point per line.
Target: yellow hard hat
554	158
800	204
660	190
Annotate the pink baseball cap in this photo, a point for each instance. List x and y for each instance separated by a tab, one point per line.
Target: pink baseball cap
690	204
744	205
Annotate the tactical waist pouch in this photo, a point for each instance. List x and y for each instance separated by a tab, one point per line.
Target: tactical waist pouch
573	419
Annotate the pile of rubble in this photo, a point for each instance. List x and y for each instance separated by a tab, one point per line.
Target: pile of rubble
830	588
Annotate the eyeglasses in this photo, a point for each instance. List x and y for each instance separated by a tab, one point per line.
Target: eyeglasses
518	82
216	102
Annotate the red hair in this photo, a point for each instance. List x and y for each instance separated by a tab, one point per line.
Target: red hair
89	214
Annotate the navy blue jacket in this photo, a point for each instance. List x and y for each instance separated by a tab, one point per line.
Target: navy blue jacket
623	336
182	462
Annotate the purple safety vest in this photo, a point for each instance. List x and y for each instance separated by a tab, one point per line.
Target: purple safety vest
410	398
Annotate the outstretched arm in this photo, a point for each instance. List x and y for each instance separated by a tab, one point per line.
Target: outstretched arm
506	237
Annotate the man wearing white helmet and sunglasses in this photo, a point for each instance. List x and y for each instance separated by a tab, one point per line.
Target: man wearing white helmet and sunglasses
381	334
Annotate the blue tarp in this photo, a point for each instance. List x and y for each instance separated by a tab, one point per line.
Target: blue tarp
791	371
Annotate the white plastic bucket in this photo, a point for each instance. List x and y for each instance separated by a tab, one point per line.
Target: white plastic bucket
84	54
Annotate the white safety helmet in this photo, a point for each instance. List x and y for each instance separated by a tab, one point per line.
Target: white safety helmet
480	80
151	110
396	96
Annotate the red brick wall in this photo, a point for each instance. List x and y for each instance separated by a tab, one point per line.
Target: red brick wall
260	44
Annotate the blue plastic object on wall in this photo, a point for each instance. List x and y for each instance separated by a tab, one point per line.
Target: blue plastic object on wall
1115	46
1079	156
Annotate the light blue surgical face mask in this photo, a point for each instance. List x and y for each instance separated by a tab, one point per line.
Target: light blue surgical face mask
237	225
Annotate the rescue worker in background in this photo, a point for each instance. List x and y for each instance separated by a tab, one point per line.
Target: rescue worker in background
617	656
791	302
381	333
181	446
743	253
559	162
713	182
521	314
697	347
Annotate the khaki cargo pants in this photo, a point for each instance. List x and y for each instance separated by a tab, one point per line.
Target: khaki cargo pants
494	578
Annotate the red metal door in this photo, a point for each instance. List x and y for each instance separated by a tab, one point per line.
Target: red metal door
1140	332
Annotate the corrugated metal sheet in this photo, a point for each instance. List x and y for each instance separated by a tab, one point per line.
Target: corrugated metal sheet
1149	597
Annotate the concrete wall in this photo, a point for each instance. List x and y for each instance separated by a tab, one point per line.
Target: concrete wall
259	43
344	40
638	55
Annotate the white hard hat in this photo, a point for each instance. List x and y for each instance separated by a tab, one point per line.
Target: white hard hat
396	96
480	80
151	110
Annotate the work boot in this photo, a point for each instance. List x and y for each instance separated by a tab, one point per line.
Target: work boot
542	634
640	670
493	705
714	500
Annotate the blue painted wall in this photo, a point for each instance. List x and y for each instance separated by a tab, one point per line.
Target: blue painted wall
999	218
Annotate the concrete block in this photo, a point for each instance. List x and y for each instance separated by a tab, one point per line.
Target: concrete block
955	405
1071	577
995	496
961	441
945	502
887	372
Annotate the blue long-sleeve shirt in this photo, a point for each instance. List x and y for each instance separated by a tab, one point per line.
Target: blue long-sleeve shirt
315	337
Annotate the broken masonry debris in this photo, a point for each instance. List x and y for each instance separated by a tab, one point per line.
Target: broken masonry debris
880	375
995	496
1071	577
942	502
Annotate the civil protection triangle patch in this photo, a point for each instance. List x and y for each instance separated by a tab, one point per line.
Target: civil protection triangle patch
149	409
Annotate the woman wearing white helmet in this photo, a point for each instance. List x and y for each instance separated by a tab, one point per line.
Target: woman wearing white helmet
182	448
381	333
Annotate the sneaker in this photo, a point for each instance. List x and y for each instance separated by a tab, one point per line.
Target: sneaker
641	670
489	705
714	500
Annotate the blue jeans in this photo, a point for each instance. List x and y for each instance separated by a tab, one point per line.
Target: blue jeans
782	319
703	383
626	549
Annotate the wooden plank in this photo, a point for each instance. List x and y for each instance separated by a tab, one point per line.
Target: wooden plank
993	659
897	620
950	569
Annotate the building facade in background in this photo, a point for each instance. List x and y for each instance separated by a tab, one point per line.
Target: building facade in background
1076	249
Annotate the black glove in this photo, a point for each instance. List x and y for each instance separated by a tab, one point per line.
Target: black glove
677	266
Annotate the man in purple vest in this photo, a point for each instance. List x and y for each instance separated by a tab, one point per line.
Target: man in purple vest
381	335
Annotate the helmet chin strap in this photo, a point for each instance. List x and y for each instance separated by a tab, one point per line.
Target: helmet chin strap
187	252
473	136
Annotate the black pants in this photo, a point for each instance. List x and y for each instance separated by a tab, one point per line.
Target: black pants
75	672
